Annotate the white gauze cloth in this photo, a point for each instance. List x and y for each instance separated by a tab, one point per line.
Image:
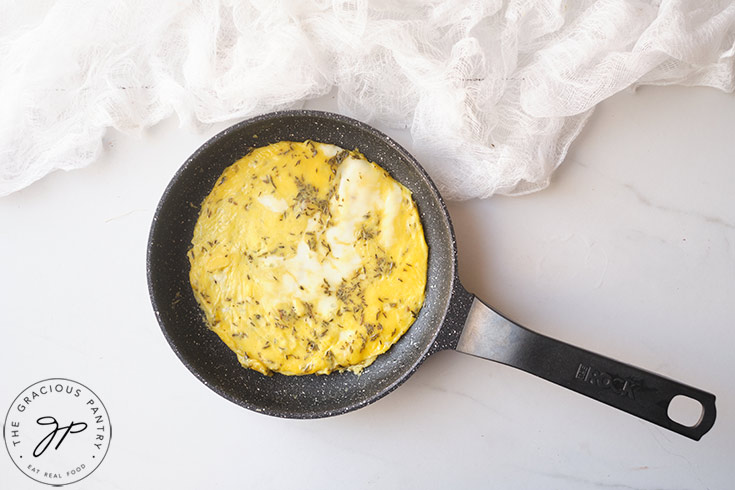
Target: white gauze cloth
493	91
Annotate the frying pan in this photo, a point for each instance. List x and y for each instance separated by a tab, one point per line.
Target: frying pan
451	317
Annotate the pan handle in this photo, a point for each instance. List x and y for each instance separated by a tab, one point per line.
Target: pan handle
489	335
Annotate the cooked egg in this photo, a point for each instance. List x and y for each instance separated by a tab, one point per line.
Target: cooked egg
307	258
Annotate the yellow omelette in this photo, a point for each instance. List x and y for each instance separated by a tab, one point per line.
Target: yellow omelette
307	258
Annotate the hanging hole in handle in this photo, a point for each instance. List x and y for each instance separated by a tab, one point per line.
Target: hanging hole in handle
685	411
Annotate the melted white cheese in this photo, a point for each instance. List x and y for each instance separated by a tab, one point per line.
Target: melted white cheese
273	203
358	193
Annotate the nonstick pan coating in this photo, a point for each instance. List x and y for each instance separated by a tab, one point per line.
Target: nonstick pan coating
207	356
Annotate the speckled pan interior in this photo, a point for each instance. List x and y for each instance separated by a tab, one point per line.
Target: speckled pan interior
436	327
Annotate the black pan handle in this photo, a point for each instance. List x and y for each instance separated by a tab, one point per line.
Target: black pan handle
489	335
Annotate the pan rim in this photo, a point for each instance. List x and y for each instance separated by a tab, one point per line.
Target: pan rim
453	283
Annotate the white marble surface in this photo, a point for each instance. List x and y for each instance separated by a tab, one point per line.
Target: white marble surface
630	253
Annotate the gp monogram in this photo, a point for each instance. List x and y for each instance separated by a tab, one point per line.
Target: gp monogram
57	431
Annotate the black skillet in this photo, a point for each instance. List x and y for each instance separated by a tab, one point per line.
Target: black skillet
451	318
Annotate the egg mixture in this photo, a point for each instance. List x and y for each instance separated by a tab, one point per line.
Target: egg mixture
307	258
